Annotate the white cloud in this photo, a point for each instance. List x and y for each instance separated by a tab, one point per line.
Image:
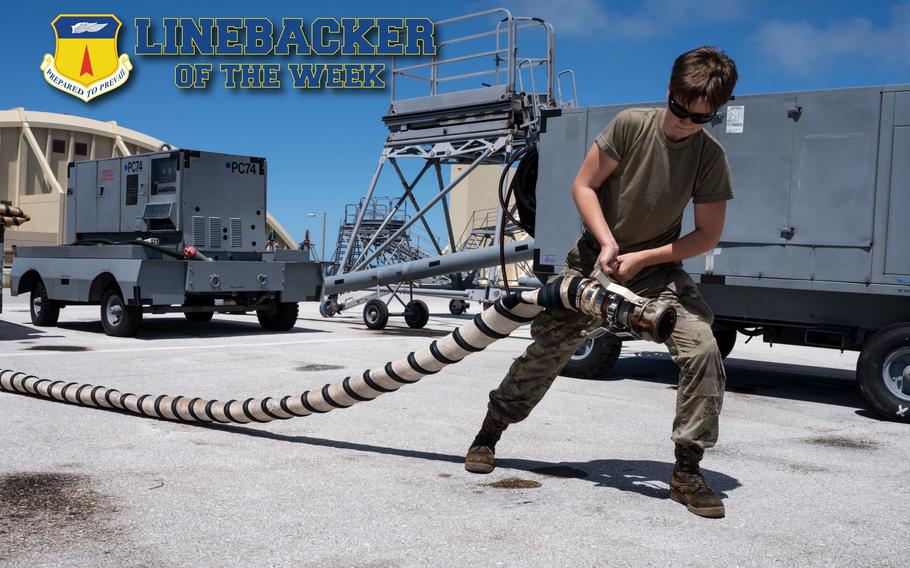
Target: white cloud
802	48
568	17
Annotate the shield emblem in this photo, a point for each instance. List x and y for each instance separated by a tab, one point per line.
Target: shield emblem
85	63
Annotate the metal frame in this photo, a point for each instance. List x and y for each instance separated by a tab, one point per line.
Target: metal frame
485	125
396	247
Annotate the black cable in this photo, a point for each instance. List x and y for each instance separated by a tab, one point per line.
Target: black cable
755	332
504	204
162	250
504	199
524	187
502	252
87	242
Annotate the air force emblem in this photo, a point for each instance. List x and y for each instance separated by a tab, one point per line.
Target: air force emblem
85	63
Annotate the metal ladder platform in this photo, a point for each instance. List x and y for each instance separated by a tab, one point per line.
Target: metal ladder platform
436	119
487	112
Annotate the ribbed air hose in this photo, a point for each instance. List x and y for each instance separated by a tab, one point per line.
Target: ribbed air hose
497	322
12	216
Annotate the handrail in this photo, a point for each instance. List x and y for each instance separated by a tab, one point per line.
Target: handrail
464	38
549	59
461	18
570	72
505	52
452	60
535	102
489	220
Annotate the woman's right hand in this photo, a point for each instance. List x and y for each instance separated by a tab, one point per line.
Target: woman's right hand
606	260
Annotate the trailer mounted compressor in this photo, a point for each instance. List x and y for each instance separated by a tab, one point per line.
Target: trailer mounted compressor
170	231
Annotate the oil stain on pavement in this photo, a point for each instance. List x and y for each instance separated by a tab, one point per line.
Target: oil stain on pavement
514	483
40	511
844	442
312	367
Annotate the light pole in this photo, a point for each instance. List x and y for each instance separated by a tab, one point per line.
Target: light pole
313	215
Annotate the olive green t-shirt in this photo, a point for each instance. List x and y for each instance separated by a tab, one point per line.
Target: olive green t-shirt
644	198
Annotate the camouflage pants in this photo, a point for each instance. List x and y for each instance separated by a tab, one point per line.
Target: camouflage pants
557	335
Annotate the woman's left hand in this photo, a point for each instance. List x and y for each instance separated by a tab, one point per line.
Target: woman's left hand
630	265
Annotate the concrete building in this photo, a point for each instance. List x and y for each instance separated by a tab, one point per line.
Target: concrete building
35	149
473	209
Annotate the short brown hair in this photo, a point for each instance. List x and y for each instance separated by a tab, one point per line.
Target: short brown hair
704	72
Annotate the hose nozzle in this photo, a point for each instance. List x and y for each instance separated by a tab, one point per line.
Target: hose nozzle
653	320
620	308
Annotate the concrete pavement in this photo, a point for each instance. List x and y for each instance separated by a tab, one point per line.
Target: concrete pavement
809	476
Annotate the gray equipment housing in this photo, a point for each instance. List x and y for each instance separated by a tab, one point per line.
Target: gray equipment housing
814	238
814	250
118	208
215	202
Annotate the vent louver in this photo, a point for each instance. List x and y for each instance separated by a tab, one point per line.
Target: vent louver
198	231
215	232
236	241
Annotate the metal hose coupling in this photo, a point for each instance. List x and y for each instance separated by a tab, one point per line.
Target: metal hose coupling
617	306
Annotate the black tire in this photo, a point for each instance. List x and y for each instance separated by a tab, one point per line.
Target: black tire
594	358
199	317
282	317
117	318
883	372
375	314
416	314
726	340
44	311
457	307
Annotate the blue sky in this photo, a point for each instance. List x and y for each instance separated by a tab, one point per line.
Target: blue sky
323	145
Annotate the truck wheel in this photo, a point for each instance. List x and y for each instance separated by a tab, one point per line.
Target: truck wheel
44	311
199	317
416	314
457	307
594	358
883	372
281	318
117	318
726	340
375	314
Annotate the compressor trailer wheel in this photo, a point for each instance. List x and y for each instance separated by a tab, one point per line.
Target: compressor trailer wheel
883	372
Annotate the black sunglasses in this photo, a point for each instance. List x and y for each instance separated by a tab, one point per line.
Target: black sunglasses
681	113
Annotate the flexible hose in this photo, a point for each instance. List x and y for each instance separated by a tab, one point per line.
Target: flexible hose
12	216
496	322
139	242
506	194
162	250
523	186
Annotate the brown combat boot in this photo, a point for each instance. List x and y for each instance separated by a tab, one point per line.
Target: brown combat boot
479	458
689	487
